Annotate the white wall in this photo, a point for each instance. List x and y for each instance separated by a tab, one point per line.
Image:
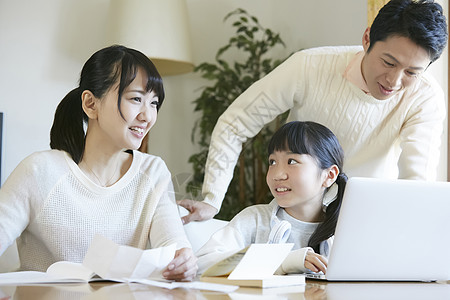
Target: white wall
293	19
439	70
43	45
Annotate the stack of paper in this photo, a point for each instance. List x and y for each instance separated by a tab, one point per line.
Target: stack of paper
253	266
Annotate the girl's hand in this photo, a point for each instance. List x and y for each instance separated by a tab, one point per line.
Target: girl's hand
183	267
315	262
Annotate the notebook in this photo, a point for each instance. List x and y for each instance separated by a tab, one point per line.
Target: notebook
392	230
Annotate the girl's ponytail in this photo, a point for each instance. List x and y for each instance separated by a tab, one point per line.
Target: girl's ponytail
67	131
326	229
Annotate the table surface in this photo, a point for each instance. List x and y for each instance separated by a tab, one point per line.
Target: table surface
313	290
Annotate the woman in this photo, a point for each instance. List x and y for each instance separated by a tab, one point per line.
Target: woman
94	180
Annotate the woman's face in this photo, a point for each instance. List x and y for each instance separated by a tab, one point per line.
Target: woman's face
297	183
139	111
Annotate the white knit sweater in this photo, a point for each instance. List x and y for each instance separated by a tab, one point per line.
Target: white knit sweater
253	225
55	210
399	137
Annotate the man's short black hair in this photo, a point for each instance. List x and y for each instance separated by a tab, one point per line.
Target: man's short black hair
422	21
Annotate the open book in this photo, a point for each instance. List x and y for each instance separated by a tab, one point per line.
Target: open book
108	261
104	260
253	266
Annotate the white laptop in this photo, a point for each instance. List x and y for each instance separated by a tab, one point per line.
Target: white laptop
392	230
386	291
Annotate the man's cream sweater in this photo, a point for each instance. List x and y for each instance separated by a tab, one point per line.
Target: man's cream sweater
398	137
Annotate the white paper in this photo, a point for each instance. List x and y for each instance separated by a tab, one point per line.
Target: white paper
261	261
153	262
111	261
198	285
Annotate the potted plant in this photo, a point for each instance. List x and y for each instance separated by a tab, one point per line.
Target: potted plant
229	79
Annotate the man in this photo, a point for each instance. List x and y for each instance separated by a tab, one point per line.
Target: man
386	111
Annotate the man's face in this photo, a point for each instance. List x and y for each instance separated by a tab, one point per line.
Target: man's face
392	65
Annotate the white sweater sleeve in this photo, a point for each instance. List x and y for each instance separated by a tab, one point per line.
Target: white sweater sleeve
221	244
245	117
420	136
294	262
15	210
166	227
240	232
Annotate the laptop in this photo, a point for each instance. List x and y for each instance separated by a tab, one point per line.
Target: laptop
391	230
386	291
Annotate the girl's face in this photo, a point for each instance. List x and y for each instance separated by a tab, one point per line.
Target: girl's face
139	110
297	183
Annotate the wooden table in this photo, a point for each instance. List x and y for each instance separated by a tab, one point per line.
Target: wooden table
313	290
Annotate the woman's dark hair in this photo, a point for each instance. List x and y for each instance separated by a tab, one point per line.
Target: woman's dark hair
101	72
319	142
422	21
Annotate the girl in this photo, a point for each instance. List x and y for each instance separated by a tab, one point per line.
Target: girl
94	180
305	163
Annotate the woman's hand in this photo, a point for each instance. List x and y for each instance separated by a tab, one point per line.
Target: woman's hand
183	267
315	262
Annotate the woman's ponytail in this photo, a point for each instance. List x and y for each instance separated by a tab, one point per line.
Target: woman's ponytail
67	131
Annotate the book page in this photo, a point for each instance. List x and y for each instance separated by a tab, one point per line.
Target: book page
256	261
261	261
225	266
28	277
70	270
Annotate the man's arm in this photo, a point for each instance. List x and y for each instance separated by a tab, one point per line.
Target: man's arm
420	137
244	118
198	210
